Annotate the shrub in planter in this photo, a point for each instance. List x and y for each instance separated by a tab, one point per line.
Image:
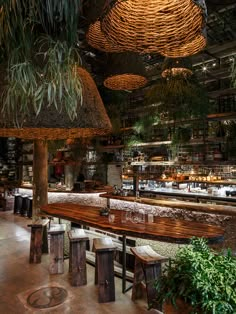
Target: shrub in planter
201	277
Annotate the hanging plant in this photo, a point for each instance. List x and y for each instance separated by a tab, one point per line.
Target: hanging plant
42	69
144	126
57	83
179	97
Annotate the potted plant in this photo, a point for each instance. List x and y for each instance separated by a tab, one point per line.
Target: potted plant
202	278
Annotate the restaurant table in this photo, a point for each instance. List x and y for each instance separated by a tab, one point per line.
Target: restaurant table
162	229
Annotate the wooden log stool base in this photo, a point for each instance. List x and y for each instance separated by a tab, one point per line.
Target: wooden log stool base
38	240
104	268
56	232
147	270
77	258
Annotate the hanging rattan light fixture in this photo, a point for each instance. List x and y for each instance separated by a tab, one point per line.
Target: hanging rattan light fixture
98	40
125	72
51	124
172	28
176	66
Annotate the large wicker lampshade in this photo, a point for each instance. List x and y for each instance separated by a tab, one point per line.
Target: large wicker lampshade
172	28
176	66
51	124
98	40
125	72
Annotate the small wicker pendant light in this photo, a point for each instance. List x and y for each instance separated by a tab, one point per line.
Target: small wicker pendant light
172	28
176	66
98	40
125	72
50	124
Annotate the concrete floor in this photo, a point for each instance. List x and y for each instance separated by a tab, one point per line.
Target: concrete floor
19	279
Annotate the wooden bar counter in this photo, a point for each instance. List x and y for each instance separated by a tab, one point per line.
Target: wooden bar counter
162	229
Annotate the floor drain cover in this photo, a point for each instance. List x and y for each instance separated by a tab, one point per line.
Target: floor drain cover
47	297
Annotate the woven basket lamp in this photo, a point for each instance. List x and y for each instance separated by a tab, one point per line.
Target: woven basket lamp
92	118
172	28
176	66
98	40
125	72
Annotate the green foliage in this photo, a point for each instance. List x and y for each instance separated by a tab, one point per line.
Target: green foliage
57	18
142	129
203	278
55	83
181	135
179	97
145	124
32	82
133	140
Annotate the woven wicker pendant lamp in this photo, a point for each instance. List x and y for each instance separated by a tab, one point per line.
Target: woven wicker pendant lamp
176	66
50	124
125	72
98	40
172	28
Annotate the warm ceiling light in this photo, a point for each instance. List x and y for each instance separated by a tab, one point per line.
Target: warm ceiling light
172	28
125	72
176	66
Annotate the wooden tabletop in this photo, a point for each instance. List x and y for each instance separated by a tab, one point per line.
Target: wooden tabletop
162	229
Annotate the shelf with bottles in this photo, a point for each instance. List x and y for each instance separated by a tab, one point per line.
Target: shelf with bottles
186	172
9	157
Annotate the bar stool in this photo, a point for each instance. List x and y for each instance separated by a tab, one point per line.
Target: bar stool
37	240
30	207
77	257
17	203
56	232
104	268
148	270
24	206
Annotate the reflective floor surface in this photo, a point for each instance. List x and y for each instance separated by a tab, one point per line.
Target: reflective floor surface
29	288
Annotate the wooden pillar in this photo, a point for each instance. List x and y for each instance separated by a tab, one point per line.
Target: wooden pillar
40	171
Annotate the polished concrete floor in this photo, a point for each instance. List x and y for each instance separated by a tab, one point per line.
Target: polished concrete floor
20	280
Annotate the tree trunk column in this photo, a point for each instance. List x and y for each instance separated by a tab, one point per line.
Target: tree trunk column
40	172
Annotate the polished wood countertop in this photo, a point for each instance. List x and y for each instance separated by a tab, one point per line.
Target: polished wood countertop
162	229
199	207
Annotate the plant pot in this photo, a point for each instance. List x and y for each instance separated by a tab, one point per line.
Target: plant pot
181	307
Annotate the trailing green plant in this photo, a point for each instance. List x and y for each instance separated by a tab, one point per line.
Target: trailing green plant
181	135
57	18
144	126
38	40
56	83
179	97
201	277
